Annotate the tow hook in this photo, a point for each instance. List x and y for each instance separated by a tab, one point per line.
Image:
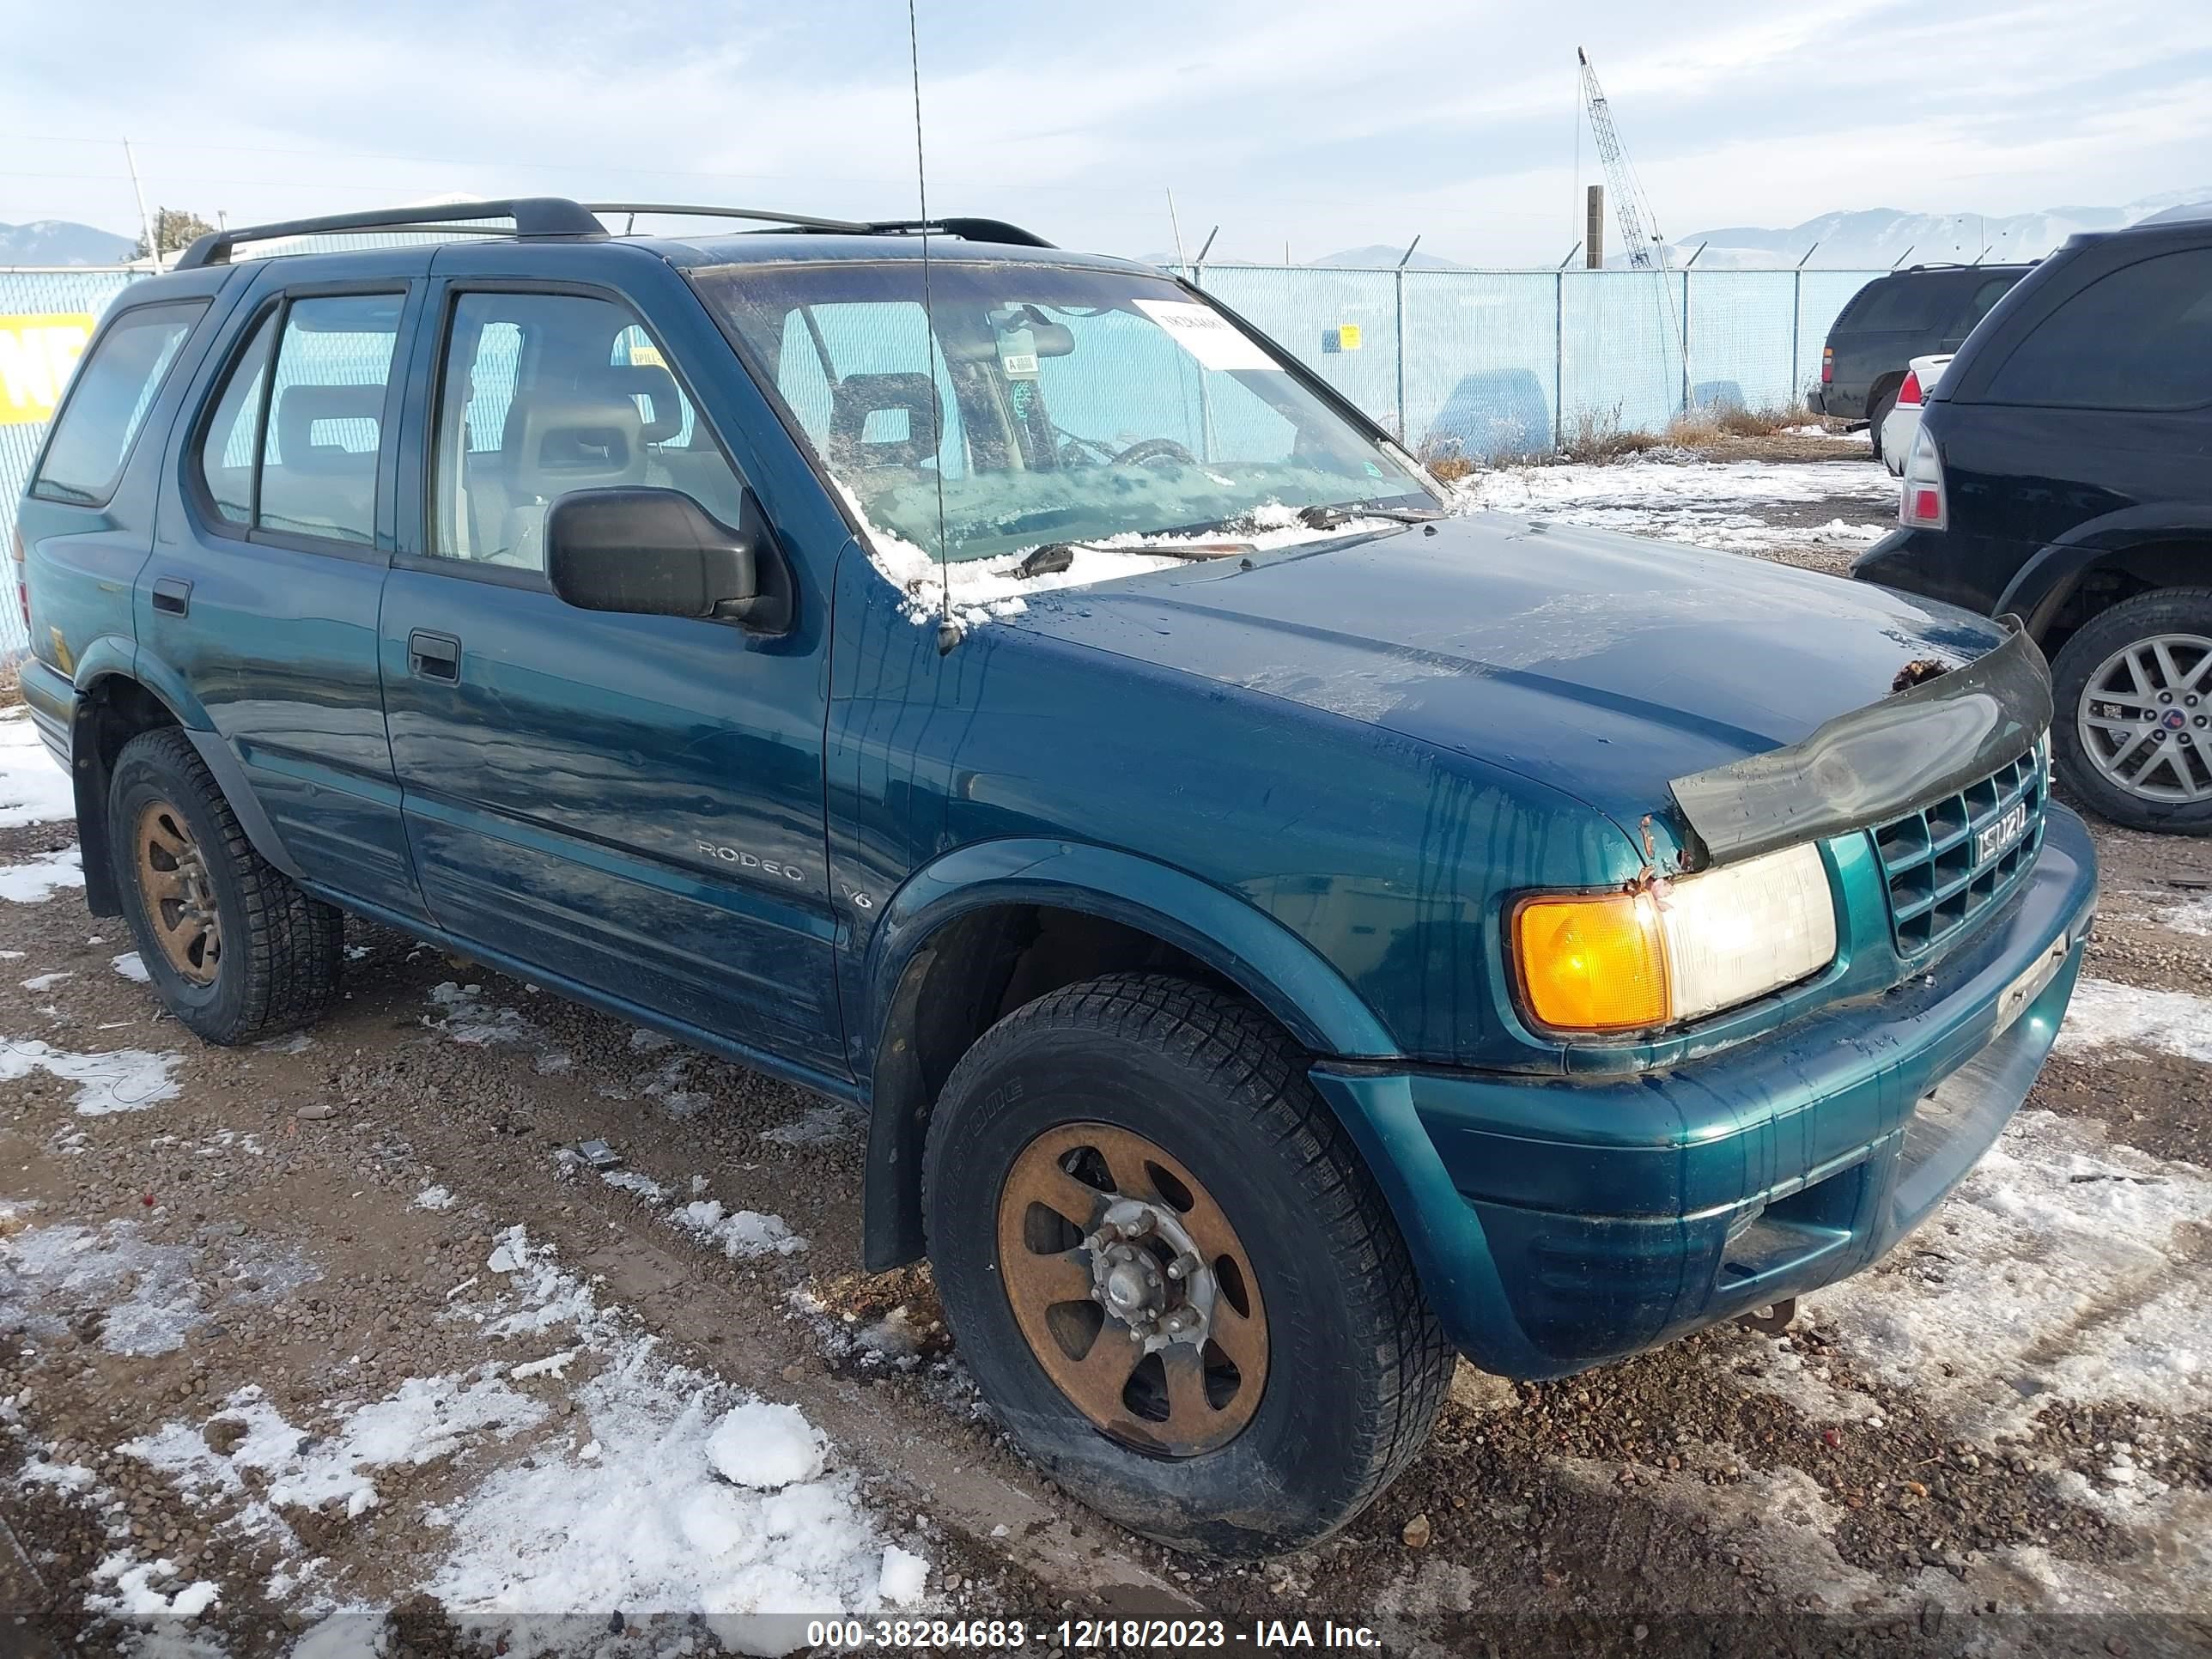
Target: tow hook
1770	1321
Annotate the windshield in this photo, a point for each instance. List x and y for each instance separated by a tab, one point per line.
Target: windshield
1055	407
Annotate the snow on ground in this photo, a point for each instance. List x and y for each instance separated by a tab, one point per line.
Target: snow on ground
137	1296
642	1484
733	1232
2106	1017
2059	1268
1707	503
2194	917
130	965
34	788
120	1081
38	880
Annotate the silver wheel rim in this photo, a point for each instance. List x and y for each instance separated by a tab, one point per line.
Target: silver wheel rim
2145	718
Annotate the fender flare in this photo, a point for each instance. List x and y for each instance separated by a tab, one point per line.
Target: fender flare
2040	587
1248	948
111	659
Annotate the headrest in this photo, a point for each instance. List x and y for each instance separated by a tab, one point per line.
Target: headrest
577	442
305	414
657	386
910	402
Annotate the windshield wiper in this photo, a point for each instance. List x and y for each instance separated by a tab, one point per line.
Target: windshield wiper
1056	557
1328	517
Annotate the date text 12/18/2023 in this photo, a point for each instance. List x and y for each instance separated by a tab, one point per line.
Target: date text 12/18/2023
1088	1635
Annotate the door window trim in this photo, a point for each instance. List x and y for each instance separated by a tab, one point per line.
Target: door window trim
206	518
433	415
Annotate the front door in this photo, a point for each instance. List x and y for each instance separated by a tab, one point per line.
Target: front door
633	804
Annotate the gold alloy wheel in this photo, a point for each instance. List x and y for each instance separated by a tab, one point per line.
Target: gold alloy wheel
179	898
1133	1289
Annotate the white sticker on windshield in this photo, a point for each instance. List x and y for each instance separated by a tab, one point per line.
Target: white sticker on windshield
1206	335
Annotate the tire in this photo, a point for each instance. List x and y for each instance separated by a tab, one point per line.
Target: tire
273	962
1878	408
1355	1365
2140	796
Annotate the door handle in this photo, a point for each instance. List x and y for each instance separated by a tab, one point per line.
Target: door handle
434	656
173	595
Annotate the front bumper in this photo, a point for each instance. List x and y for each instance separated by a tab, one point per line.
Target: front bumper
1558	1223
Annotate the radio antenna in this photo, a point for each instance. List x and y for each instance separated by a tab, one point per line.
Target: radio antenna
948	631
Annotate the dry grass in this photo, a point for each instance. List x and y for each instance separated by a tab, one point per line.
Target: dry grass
1450	469
1597	435
1709	424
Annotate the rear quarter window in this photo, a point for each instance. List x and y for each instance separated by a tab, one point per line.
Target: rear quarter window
2137	338
115	386
1893	304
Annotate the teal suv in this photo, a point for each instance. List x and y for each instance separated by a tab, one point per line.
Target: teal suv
1282	933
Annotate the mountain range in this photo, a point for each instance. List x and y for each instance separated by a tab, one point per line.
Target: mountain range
62	242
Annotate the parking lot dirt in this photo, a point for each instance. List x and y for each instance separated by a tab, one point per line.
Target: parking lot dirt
335	1344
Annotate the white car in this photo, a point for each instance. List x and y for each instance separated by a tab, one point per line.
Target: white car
1903	420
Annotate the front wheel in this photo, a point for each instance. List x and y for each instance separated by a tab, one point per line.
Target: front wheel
1877	412
1170	1273
2133	731
234	949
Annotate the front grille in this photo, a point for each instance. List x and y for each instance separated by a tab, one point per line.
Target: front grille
1940	879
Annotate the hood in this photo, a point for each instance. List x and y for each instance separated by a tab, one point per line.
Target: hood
1598	663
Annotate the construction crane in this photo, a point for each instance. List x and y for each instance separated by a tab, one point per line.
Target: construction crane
1628	203
1645	250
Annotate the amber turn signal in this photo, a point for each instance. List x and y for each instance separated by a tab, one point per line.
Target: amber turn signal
1592	963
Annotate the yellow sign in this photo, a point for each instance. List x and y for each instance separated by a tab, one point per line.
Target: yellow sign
1348	337
38	351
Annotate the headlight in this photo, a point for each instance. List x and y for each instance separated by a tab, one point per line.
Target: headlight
1626	962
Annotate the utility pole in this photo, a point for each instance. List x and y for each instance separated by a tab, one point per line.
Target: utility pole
1175	226
145	223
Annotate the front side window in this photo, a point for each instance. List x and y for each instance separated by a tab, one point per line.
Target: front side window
115	386
1048	404
546	393
2139	338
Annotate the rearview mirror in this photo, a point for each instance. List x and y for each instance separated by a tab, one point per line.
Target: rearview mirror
658	553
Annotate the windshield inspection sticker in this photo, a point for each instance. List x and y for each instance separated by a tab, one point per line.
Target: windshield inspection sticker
1205	334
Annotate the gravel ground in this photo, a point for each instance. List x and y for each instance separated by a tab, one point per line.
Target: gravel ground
270	1331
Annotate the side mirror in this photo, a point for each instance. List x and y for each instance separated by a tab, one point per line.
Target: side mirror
658	553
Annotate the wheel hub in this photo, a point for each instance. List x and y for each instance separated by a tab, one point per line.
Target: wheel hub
2144	719
1134	1292
177	893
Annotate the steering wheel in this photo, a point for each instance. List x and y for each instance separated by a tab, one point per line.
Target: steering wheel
1154	449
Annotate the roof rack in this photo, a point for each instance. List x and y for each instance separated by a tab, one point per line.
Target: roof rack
534	216
967	229
554	216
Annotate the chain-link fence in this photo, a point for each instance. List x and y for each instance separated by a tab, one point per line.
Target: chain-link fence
1497	362
1481	362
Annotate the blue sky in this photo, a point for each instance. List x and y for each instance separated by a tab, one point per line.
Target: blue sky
1321	125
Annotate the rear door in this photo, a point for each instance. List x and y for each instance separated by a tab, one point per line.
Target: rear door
259	603
631	804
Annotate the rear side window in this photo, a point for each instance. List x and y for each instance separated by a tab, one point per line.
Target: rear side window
1902	302
115	386
1985	296
2139	338
292	442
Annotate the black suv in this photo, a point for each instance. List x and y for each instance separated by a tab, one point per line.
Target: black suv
1894	320
2063	472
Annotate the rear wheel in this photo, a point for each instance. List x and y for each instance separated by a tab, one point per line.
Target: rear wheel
1878	408
2134	729
235	949
1170	1273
